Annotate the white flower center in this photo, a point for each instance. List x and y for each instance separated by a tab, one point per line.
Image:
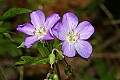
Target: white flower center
71	37
41	32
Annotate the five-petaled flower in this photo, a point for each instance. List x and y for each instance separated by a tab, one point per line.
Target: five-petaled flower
74	35
40	29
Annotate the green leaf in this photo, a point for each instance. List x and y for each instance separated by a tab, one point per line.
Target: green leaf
3	30
7	35
68	69
13	12
57	44
1	22
49	44
0	18
43	50
27	60
8	48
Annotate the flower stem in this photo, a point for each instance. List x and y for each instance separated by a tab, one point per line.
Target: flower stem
65	61
21	73
58	70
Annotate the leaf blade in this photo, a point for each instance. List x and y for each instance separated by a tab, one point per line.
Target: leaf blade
14	12
28	60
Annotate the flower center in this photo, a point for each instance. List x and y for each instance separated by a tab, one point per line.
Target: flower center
71	37
41	32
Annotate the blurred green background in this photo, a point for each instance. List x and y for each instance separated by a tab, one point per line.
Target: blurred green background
104	15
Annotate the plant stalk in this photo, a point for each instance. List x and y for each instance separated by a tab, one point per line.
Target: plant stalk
58	70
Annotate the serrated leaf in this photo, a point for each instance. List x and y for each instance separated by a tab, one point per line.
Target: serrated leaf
13	12
28	60
43	50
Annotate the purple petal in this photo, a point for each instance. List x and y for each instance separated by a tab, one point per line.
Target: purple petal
83	48
70	20
26	28
37	18
51	20
68	49
85	29
59	31
48	36
29	41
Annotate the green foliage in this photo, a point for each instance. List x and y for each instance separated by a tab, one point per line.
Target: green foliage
21	45
28	60
2	30
103	71
7	35
60	55
68	69
13	12
43	49
1	22
57	44
93	6
8	48
55	77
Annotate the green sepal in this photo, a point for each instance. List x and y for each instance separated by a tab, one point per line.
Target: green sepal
60	55
21	45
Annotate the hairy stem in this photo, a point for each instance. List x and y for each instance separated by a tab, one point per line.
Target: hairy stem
58	70
21	73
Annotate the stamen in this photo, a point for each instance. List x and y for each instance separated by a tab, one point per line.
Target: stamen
41	32
71	37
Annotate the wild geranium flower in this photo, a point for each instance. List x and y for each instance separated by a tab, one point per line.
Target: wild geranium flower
40	29
74	35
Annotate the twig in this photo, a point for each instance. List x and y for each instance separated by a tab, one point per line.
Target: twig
113	22
110	41
115	37
2	76
110	16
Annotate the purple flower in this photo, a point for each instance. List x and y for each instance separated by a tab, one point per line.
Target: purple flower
40	29
74	35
